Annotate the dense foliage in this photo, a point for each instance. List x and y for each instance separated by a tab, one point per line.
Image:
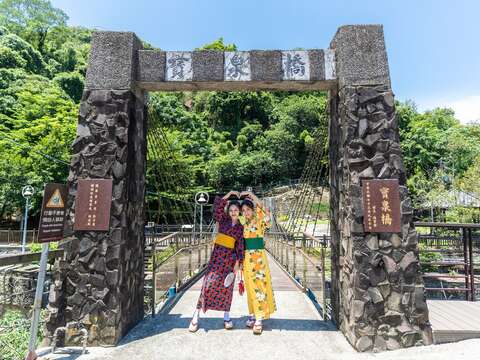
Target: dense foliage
442	157
215	140
235	139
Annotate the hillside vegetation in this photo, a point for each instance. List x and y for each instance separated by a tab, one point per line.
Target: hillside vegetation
220	140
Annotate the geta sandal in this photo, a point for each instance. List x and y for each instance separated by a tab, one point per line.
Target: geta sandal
193	327
257	329
228	324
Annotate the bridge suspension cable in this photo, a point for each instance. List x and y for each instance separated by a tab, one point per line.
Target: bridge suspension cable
308	194
164	178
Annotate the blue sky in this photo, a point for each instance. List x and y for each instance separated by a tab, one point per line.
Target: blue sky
433	45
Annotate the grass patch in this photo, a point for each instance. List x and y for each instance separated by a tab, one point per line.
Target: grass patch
311	221
15	334
37	247
320	208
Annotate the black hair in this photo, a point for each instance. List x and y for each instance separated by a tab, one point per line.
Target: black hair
249	203
233	203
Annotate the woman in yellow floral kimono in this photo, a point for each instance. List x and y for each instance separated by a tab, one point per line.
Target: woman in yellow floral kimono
258	283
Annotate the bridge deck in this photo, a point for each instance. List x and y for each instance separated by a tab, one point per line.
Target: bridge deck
295	331
454	320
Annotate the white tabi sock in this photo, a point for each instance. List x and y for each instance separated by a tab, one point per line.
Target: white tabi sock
226	316
195	317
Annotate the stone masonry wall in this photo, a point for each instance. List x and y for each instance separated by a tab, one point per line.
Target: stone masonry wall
379	300
101	274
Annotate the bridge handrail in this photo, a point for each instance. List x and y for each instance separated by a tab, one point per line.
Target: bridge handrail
164	239
11	236
193	242
462	240
13	259
447	225
285	241
179	249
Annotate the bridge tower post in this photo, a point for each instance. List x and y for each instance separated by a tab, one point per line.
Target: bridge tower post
377	289
101	273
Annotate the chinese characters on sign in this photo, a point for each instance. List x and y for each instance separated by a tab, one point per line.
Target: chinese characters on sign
381	206
237	66
296	65
179	66
92	205
52	218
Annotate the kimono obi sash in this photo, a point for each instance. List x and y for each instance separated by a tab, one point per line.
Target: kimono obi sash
254	243
225	240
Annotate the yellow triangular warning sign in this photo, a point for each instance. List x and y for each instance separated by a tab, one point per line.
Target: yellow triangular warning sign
56	200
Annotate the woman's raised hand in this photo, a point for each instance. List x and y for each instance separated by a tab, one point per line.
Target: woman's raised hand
232	192
245	194
250	195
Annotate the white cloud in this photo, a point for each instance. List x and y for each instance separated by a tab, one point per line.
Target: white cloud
467	109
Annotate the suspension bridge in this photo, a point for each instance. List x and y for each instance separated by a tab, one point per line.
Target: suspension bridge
341	287
299	250
301	326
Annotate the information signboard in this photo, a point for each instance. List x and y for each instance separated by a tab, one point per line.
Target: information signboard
52	218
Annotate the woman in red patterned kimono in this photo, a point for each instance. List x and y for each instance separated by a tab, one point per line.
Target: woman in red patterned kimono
227	255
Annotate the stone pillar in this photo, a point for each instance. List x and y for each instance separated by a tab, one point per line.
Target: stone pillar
378	292
102	273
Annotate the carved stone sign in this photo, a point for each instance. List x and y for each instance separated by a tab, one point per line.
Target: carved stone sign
52	218
92	205
381	206
295	65
237	66
179	66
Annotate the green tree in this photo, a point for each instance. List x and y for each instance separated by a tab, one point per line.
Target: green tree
247	136
71	83
470	180
229	111
218	45
11	59
31	19
32	60
435	141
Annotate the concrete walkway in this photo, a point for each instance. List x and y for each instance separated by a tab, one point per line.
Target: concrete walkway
296	331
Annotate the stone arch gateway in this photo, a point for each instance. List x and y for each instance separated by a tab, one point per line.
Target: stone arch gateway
378	294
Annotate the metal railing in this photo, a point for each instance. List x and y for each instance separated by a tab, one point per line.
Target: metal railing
173	262
450	259
159	231
14	237
27	258
307	267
